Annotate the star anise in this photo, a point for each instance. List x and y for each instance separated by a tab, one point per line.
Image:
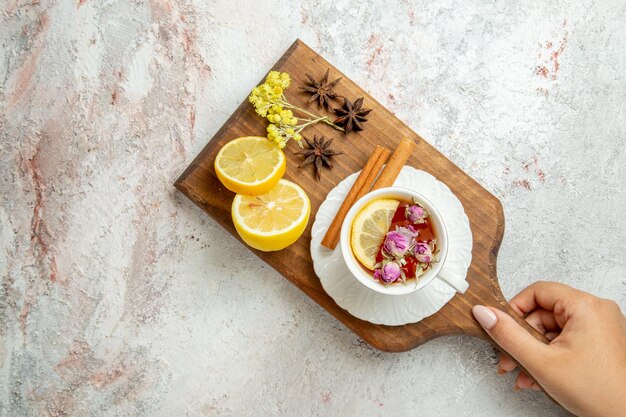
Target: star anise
318	153
351	115
321	90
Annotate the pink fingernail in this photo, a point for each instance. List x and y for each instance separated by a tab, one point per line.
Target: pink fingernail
485	316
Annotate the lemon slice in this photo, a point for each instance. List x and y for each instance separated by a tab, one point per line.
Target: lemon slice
250	165
274	220
369	228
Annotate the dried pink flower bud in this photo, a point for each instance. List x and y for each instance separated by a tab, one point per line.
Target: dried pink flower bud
415	213
397	244
423	252
390	272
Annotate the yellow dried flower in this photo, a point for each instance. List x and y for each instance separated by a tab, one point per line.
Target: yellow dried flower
269	101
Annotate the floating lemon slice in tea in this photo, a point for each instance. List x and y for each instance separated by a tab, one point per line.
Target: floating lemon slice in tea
274	220
369	228
250	165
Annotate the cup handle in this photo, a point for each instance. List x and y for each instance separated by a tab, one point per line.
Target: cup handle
458	284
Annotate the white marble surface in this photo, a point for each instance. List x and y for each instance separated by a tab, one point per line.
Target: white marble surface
117	297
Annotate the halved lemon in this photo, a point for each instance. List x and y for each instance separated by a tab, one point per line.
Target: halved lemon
274	220
250	165
369	228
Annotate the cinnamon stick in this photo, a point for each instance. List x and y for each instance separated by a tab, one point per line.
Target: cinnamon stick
369	181
331	238
395	164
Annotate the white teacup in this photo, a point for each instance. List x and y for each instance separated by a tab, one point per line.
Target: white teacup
364	276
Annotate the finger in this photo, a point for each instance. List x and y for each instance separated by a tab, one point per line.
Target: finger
543	295
506	364
523	380
552	335
511	337
543	321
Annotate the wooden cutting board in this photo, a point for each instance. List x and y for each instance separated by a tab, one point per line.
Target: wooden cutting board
486	217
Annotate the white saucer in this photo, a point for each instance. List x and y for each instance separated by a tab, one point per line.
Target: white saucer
394	310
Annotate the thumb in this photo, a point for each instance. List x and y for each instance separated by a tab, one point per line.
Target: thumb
510	336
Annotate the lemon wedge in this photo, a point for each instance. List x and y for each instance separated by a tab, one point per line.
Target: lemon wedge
274	220
369	228
250	165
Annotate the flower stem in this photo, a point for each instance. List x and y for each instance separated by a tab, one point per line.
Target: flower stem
326	120
310	122
315	117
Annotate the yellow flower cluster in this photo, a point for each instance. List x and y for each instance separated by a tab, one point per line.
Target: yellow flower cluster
276	114
269	101
283	126
278	79
270	93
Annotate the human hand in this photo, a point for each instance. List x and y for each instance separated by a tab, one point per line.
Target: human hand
584	366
